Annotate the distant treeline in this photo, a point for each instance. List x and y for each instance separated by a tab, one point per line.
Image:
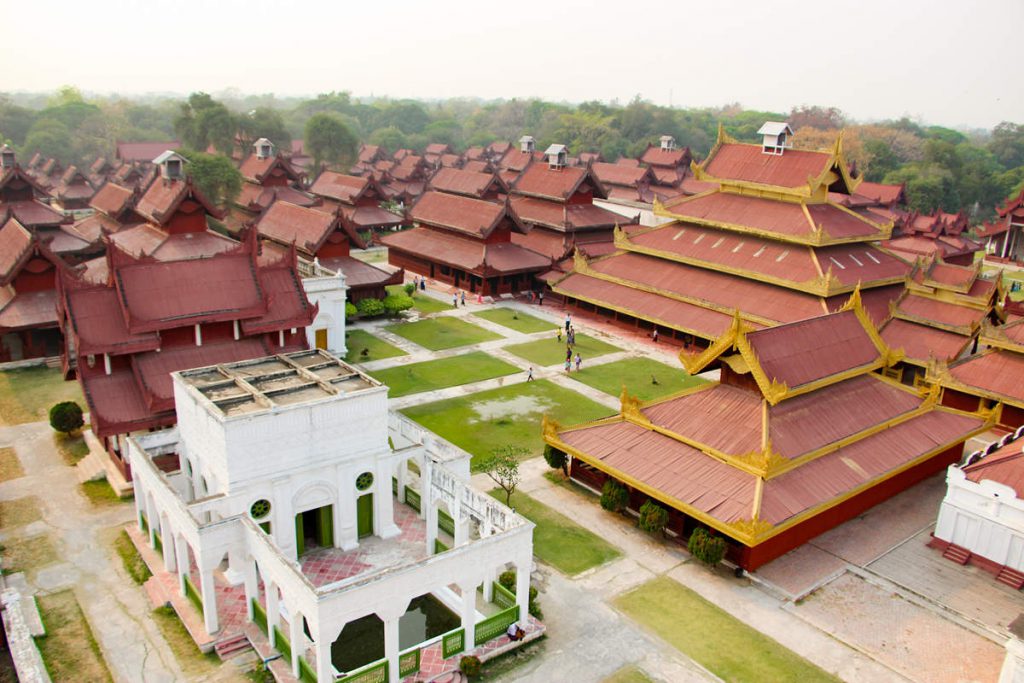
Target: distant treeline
942	168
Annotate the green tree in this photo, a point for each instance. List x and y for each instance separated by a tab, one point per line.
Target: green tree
503	468
15	121
390	138
329	140
216	176
407	116
203	121
66	417
50	138
263	122
556	459
1007	144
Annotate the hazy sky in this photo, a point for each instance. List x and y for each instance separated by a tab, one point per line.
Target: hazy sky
950	63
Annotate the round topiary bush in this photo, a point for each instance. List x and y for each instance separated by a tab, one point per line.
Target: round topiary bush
470	665
706	547
350	310
66	417
409	288
370	307
396	303
556	459
614	496
653	517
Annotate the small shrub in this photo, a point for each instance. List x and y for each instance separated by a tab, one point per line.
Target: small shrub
653	517
350	310
507	579
66	417
370	307
409	288
706	547
470	665
614	496
396	303
556	459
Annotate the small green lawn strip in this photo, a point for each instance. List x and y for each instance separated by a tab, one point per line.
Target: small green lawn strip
514	320
19	512
192	661
131	559
545	352
713	638
69	649
559	541
101	494
27	554
445	372
26	395
438	334
424	303
363	347
72	447
509	415
644	378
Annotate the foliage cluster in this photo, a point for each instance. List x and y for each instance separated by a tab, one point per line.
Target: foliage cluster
508	581
556	459
614	496
653	517
706	547
66	417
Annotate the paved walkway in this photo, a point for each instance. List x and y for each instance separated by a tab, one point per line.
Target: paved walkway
118	611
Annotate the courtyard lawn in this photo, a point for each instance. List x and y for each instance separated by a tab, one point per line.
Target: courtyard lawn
639	375
28	553
544	352
713	638
438	334
359	341
72	447
26	395
559	541
445	372
509	415
69	649
19	512
421	301
514	320
193	662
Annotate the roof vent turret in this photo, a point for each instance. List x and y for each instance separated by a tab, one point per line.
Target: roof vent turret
264	148
172	165
6	157
526	144
668	143
776	137
558	156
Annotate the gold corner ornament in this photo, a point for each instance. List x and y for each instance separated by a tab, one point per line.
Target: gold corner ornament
549	427
619	237
750	529
764	462
930	393
629	406
579	261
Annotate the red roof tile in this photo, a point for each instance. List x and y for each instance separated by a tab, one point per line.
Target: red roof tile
997	372
15	246
33	214
736	161
144	151
164	197
287	305
28	310
345	188
112	199
559	184
97	322
881	193
255	169
567	217
1003	466
656	156
116	405
953	315
920	342
454	212
468	183
468	254
615	174
361	274
307	228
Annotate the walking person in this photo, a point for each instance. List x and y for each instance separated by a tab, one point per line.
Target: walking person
423	283
529	374
540	298
654	335
568	366
463	297
579	361
568	353
455	299
568	322
559	335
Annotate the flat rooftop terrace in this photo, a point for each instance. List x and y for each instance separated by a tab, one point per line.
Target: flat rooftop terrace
262	384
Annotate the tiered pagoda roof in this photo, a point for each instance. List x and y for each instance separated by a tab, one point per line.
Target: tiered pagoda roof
768	239
799	423
28	299
477	185
940	313
357	197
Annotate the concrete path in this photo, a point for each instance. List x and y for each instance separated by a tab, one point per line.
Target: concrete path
117	610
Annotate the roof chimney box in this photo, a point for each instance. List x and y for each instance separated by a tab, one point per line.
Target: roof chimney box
526	144
6	157
172	165
776	137
264	148
668	143
558	156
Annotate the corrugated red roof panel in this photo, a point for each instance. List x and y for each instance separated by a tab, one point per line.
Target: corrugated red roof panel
465	182
29	310
287	305
880	192
724	417
1003	466
15	244
656	156
116	405
344	188
286	223
941	312
920	342
144	151
98	323
454	212
793	168
616	174
997	372
810	350
112	199
568	217
33	214
468	254
558	184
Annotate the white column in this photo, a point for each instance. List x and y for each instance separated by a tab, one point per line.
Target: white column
461	520
209	592
199	335
403	478
295	635
152	519
489	586
469	613
426	492
166	534
383	501
391	647
324	666
273	612
251	587
181	552
431	527
140	502
523	567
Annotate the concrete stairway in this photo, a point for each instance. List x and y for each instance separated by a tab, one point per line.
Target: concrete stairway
957	553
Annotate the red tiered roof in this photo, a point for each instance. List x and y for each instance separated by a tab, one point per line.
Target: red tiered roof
748	163
468	183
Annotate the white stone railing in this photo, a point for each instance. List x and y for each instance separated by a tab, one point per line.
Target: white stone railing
311	269
458	495
438	449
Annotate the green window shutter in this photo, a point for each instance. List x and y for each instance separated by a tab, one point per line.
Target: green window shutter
327	526
300	541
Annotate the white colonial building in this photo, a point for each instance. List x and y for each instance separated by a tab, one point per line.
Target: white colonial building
326	289
298	489
981	519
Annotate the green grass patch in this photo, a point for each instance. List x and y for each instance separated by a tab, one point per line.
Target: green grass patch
10	466
19	512
544	352
28	554
424	303
710	636
101	494
644	378
514	320
72	447
131	559
192	661
26	395
438	334
559	541
69	649
445	372
629	674
363	347
509	415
